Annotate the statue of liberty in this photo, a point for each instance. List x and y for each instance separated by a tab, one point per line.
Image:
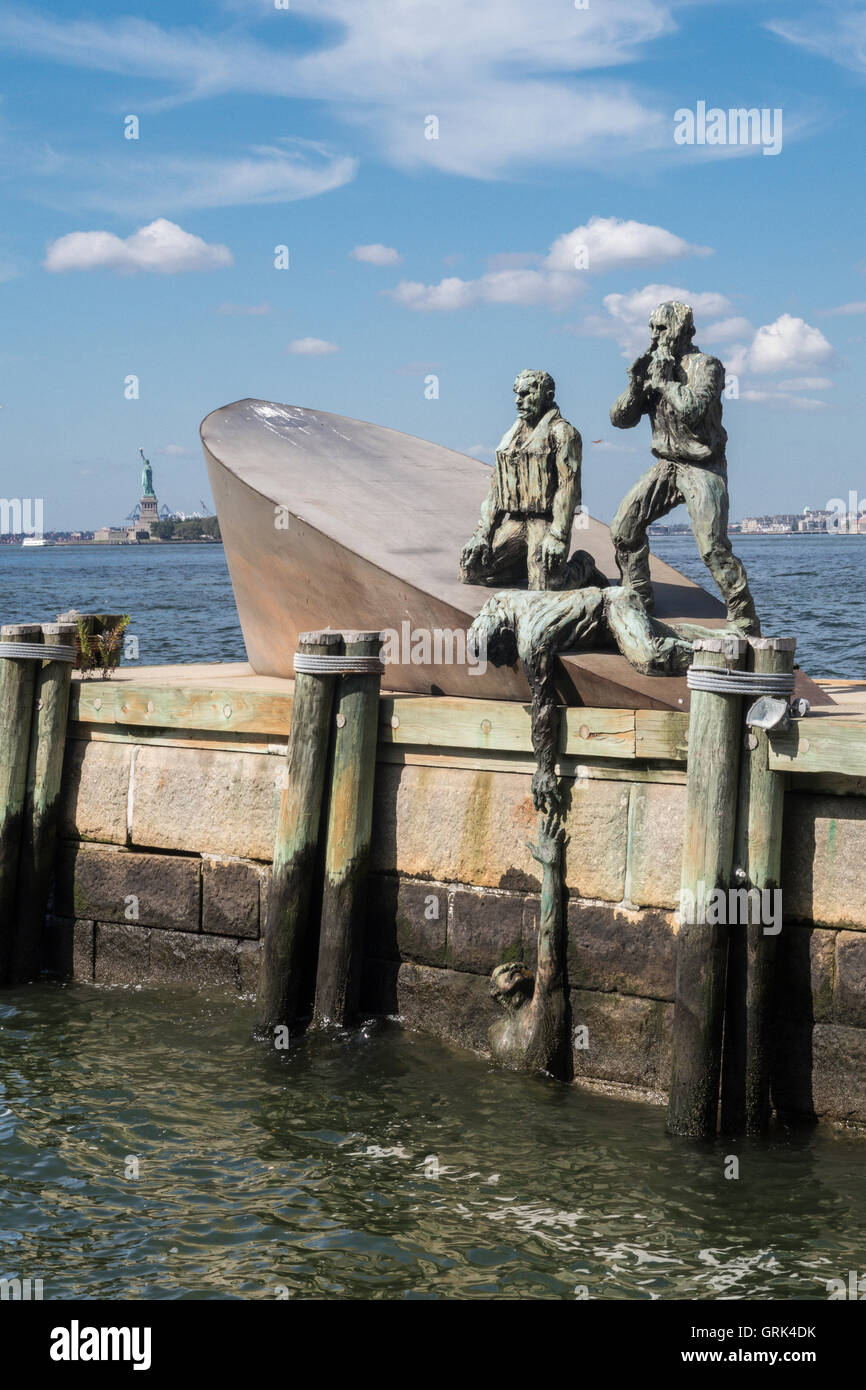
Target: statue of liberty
146	477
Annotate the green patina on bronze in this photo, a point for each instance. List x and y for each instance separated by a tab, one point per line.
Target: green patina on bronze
534	1034
524	531
680	389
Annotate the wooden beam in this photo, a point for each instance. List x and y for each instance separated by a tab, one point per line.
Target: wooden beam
820	744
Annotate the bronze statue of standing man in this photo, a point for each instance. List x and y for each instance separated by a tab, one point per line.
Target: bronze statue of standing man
680	389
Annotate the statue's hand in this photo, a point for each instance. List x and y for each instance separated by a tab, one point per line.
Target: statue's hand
638	368
552	553
551	838
475	554
545	790
661	368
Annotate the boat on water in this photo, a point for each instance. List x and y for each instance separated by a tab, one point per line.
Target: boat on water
329	521
35	542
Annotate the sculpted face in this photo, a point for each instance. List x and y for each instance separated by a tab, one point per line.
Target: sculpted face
533	395
669	332
511	985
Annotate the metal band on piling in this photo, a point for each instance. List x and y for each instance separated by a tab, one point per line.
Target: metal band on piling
43	651
337	665
719	682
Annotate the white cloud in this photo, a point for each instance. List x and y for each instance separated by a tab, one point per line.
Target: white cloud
312	347
806	383
857	306
161	246
727	330
628	314
285	172
832	33
788	343
783	399
511	84
376	254
602	244
485	452
611	243
246	310
174	450
497	287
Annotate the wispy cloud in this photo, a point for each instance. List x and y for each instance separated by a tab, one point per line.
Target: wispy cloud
509	84
376	254
600	245
161	246
284	172
254	311
312	347
829	31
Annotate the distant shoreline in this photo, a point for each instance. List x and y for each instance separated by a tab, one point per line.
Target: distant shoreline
103	545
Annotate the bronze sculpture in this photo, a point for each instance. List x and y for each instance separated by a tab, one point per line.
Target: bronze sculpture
535	627
680	389
533	1035
524	531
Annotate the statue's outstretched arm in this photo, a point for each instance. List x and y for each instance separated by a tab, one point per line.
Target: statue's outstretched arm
548	852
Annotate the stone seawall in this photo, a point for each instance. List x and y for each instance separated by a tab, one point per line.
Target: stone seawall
163	871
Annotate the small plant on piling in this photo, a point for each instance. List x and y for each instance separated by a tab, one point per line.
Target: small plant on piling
99	652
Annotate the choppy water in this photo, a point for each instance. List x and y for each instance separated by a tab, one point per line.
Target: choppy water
179	597
375	1164
183	609
812	587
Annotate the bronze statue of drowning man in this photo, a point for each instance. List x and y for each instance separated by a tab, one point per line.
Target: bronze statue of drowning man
680	389
523	535
534	1034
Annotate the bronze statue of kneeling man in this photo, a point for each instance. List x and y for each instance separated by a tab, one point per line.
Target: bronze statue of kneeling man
534	1034
524	532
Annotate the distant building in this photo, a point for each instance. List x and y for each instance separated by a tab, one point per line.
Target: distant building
111	535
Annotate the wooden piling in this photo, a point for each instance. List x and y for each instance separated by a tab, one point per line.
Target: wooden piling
17	684
41	804
751	949
708	847
288	927
347	855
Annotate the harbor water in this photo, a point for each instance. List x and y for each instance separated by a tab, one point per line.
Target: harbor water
151	1150
180	597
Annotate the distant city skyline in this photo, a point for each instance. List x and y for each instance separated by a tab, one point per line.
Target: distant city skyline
386	212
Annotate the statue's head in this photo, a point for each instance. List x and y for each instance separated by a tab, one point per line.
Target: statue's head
492	636
672	326
511	985
535	392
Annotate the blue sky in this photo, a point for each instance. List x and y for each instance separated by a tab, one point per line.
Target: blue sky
305	127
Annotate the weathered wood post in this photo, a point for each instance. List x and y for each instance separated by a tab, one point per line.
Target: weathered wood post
42	799
350	819
288	926
17	683
708	848
752	947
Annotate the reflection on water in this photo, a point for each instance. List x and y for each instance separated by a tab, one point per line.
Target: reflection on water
374	1164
